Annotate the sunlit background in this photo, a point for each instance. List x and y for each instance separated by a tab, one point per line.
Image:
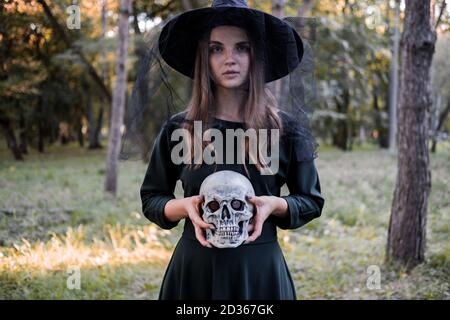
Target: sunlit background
58	222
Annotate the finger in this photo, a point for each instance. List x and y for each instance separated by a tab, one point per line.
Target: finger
200	237
202	224
250	227
195	218
252	199
199	209
259	225
255	235
256	232
199	198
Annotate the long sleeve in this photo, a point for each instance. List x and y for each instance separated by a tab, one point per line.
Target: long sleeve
305	201
159	182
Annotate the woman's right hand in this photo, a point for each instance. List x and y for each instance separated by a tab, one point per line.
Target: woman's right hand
192	206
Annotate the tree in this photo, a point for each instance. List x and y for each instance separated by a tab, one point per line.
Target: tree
407	226
304	8
393	78
60	30
118	103
441	89
95	128
277	11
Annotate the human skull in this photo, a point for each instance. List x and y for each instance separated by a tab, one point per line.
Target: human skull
226	207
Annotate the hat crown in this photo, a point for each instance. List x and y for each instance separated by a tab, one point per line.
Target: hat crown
229	3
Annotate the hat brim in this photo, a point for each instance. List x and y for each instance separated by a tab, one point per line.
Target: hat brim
178	41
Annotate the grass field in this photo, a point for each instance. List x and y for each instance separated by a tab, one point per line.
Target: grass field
56	218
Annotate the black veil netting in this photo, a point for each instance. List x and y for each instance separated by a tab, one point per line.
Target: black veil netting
160	91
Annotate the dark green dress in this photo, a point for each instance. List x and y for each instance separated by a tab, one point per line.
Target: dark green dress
256	270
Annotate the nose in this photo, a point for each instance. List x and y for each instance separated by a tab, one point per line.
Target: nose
225	213
229	57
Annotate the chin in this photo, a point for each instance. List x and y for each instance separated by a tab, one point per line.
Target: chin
231	84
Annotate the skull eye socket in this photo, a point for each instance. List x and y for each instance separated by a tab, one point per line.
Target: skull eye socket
213	205
237	205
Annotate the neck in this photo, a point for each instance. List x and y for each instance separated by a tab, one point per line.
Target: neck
230	103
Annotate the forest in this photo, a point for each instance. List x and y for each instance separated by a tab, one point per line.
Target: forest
379	101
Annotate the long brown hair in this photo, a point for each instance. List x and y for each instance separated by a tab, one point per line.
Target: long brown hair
261	107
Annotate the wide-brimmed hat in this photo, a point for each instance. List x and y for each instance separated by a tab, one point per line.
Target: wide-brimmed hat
280	45
171	49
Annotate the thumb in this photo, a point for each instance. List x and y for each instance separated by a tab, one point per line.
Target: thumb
252	199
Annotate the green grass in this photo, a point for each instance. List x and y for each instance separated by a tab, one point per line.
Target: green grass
56	216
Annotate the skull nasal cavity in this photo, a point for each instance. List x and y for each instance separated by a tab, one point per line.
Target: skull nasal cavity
225	213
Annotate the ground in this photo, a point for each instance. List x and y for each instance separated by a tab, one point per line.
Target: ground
57	223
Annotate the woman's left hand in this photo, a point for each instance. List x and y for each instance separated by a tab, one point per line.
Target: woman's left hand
265	206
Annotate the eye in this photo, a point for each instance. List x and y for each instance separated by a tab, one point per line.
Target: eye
213	206
237	205
215	49
243	48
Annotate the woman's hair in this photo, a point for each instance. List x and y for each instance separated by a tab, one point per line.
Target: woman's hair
261	108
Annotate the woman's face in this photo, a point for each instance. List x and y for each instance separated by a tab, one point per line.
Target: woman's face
229	56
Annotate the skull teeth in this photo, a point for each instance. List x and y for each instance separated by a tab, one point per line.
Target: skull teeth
228	229
227	236
225	232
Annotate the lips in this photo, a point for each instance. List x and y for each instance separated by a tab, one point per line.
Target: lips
230	72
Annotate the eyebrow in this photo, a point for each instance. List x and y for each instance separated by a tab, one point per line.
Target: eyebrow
239	43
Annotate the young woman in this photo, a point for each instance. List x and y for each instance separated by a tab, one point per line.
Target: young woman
223	50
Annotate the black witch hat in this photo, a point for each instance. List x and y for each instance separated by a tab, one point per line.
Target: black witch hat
171	49
180	36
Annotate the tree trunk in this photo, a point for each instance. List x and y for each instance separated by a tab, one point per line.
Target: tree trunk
78	125
40	136
10	138
94	142
278	11
93	125
98	127
118	105
407	226
304	8
382	137
140	51
40	120
341	133
53	130
340	137
362	135
80	136
443	116
90	118
23	146
393	79
186	5
104	64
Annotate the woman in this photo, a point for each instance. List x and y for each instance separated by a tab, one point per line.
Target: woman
230	64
